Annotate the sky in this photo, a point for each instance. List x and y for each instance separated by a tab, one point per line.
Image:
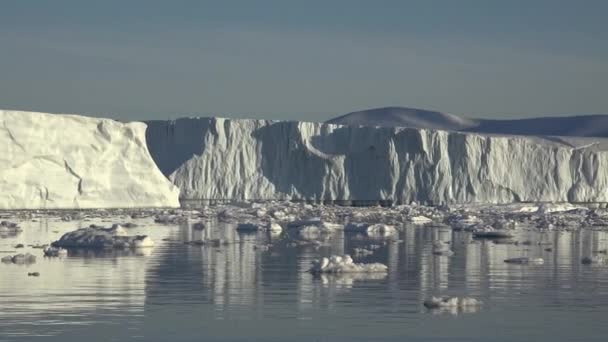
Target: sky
303	60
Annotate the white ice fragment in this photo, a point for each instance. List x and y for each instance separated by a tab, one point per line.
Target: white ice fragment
525	260
345	264
451	302
420	220
55	252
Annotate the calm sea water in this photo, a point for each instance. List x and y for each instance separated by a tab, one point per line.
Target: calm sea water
237	292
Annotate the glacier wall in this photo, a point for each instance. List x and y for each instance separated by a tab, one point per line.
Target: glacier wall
215	158
70	161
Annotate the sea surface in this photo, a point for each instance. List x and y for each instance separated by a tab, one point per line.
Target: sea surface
256	287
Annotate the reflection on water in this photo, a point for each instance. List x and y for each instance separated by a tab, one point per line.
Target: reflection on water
236	290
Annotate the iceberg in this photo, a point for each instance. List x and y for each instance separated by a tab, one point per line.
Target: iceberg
55	161
102	238
240	159
345	264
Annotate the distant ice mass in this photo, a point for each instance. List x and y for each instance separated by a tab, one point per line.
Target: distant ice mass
69	161
573	126
239	159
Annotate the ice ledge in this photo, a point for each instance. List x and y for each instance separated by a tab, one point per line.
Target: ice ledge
220	159
57	161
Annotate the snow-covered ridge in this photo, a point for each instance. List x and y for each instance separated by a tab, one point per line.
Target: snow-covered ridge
71	161
215	158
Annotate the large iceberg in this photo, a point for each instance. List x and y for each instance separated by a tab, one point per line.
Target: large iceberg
70	161
216	158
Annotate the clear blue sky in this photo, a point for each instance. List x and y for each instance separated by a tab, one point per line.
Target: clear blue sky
307	60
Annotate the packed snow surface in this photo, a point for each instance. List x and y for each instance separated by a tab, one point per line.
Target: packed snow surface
573	126
215	158
70	161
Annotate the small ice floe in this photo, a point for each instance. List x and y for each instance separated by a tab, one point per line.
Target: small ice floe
9	228
595	259
372	230
274	228
317	222
491	233
55	252
453	305
442	248
102	238
344	264
525	261
247	227
419	220
362	252
26	258
451	302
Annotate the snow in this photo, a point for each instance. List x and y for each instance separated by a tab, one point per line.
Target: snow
345	264
238	159
69	161
574	126
102	238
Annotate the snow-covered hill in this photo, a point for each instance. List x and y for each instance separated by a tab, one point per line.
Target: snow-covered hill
577	126
70	161
215	158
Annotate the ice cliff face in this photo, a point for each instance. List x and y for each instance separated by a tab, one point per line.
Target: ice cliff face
214	158
69	161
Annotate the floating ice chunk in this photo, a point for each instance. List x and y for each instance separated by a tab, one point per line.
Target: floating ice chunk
380	230
345	264
525	260
142	242
419	220
99	238
451	302
55	252
491	233
274	228
372	230
26	258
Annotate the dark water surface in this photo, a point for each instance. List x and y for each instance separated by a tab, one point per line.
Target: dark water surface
180	292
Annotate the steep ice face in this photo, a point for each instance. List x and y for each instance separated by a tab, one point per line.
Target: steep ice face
215	158
69	161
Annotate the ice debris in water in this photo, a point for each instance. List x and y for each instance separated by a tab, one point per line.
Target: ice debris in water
26	258
55	252
420	220
451	302
525	260
372	230
99	238
344	264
